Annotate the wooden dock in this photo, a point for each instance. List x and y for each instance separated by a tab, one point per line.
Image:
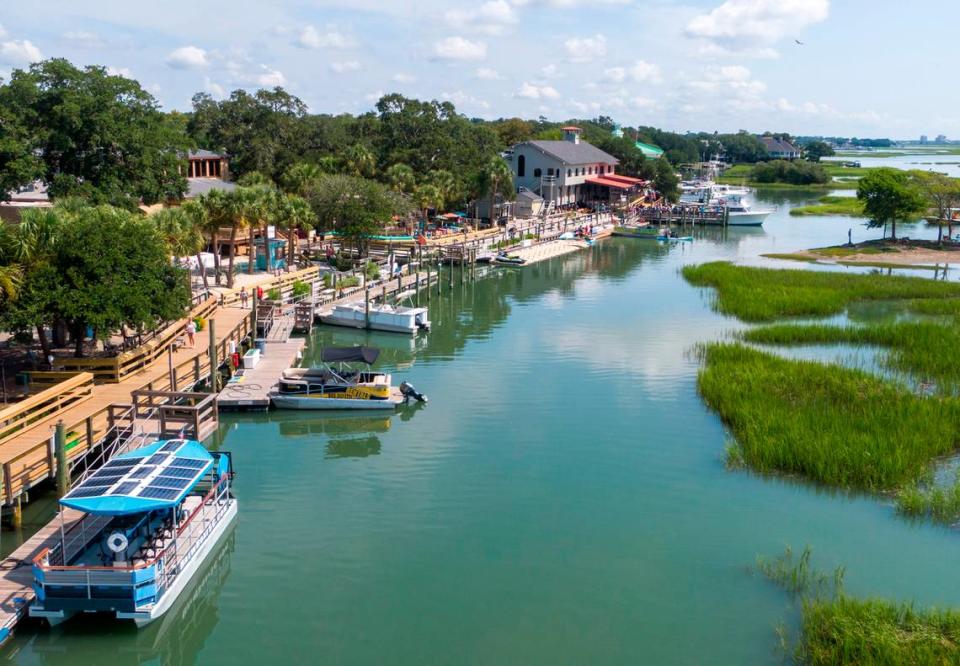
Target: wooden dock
249	389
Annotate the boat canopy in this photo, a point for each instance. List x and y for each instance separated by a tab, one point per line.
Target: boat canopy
153	477
357	354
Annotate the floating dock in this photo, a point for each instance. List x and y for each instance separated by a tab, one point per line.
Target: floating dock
248	389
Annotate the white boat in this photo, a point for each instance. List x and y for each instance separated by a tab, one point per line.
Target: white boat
395	319
740	211
147	521
341	386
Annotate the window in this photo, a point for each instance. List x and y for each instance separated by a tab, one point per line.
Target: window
549	172
521	166
569	172
537	173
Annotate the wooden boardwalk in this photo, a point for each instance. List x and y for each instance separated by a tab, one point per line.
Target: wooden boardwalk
25	458
249	389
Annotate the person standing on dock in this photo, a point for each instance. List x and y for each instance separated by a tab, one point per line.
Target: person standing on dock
191	333
243	297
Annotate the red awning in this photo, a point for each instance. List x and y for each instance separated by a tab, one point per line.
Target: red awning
624	179
606	182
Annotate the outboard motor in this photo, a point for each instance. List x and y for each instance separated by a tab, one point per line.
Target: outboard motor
406	388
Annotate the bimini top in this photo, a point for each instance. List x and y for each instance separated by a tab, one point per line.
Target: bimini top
367	355
145	479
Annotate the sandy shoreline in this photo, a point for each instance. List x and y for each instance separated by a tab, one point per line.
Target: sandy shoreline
905	256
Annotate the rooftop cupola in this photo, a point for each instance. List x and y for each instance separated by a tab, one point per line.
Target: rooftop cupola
572	134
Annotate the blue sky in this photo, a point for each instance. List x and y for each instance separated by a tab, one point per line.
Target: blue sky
865	68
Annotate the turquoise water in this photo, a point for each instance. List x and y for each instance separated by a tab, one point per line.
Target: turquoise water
561	500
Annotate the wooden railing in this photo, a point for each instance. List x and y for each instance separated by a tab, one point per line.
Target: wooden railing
284	282
24	414
180	414
117	368
35	462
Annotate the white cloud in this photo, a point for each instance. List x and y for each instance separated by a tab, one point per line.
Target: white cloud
488	74
754	26
458	48
532	91
19	52
401	77
644	72
460	99
215	89
311	38
187	57
492	17
585	49
615	74
344	67
83	39
550	71
374	96
268	77
119	71
3	32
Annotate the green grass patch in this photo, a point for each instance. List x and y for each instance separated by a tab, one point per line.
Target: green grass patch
932	502
929	351
790	256
849	251
832	205
765	294
829	424
844	630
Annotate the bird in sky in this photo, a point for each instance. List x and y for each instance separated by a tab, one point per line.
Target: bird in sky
798	42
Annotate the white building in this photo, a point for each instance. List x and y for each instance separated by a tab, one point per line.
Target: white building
568	172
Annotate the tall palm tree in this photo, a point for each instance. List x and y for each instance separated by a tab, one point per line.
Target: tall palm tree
400	178
241	206
496	178
184	238
359	161
294	213
425	197
446	185
216	204
297	179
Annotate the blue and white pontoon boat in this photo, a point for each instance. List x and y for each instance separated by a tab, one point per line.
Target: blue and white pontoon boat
134	532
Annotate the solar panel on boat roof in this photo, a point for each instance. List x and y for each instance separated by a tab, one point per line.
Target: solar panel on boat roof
157	458
178	482
172	445
141	472
106	477
181	472
89	491
120	464
153	492
191	463
125	488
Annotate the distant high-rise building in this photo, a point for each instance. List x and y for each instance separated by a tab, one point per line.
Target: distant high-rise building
923	138
941	138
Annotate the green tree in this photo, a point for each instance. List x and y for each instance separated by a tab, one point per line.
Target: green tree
942	194
91	134
359	161
512	131
495	179
293	213
666	181
400	178
888	195
426	196
299	177
446	186
218	214
814	150
182	229
356	208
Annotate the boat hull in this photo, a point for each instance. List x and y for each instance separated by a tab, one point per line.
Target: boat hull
281	401
333	320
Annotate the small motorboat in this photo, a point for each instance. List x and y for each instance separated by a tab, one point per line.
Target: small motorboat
140	528
676	239
395	319
504	258
338	385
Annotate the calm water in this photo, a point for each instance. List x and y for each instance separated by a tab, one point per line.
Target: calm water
561	500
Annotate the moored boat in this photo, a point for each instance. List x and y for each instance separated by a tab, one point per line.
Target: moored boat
140	528
384	317
504	258
338	385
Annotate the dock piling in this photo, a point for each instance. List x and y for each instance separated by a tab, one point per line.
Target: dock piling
60	451
213	357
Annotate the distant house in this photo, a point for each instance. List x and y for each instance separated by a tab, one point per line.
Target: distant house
778	149
207	164
567	172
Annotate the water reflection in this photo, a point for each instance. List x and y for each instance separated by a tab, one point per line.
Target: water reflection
177	638
359	447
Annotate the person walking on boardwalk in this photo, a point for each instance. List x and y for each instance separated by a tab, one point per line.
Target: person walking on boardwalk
191	333
243	297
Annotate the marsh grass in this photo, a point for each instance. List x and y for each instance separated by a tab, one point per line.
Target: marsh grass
833	425
929	351
831	205
765	294
840	630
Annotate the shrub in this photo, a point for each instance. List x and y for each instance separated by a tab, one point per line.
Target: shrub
794	173
274	294
300	288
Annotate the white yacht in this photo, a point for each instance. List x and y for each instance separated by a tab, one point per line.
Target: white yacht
740	209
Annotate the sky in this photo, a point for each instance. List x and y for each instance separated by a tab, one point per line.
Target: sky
862	68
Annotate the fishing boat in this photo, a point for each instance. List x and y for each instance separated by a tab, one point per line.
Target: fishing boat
338	385
134	532
383	317
504	258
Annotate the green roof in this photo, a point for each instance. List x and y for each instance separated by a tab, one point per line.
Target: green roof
649	150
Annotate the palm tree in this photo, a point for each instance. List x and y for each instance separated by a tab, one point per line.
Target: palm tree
400	178
295	214
425	197
240	204
216	205
184	238
359	161
297	179
446	185
496	178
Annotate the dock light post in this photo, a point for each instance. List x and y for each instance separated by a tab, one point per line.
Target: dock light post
213	358
60	453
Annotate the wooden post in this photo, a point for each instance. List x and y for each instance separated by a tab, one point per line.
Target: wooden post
214	364
173	376
60	452
366	307
253	313
428	281
17	518
89	423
